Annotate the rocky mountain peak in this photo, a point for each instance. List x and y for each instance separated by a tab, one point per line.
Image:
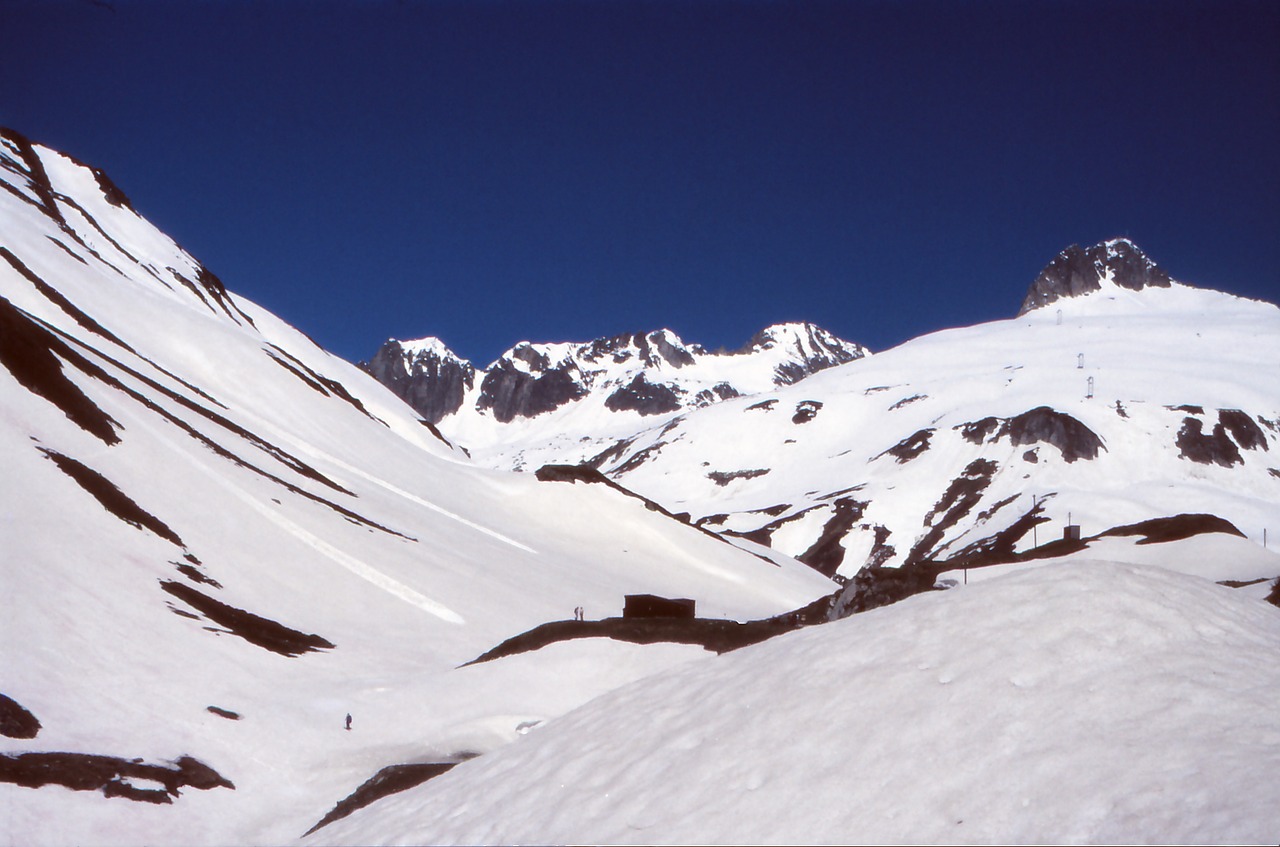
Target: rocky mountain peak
424	373
1077	270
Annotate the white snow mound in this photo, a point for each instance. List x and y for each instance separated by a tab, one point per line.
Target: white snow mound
1090	702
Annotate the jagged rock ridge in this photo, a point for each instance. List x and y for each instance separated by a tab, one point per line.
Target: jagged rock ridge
648	373
1077	270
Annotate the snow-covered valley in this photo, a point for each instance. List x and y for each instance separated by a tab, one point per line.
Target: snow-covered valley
219	541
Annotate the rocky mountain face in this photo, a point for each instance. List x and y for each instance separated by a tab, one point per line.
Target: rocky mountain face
1076	271
653	373
425	374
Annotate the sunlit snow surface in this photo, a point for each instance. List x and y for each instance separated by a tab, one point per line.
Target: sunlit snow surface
338	516
1119	703
1088	702
1151	359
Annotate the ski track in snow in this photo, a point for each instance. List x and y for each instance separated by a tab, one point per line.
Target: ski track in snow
356	566
316	453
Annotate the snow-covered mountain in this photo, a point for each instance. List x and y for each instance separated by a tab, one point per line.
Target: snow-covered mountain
217	540
1110	404
541	403
249	592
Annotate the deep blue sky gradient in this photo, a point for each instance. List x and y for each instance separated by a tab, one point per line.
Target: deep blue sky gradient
490	172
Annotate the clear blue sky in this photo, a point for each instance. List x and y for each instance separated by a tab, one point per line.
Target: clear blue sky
491	171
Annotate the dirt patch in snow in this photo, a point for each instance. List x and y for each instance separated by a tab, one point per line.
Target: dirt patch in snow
110	497
826	554
15	720
34	356
910	447
723	478
806	410
718	636
1175	528
263	632
111	775
390	780
1215	449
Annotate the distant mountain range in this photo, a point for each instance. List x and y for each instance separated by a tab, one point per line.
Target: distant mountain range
1117	395
249	591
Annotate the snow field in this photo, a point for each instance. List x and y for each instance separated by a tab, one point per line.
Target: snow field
1085	702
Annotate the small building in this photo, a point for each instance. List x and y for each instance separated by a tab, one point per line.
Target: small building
653	606
1071	532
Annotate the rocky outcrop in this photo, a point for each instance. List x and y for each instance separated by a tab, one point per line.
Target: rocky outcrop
1077	270
510	391
428	378
644	397
650	373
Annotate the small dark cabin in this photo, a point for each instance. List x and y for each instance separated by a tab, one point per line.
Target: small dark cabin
652	606
1071	532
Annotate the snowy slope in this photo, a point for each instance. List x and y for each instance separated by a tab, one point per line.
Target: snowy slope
201	508
1105	408
1083	703
564	402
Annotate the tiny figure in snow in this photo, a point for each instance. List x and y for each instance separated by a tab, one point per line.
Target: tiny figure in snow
577	613
348	722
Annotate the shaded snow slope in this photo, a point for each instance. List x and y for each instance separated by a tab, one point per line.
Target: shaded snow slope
201	508
1107	408
1082	703
564	402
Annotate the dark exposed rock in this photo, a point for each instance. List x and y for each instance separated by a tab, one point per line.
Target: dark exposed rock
511	392
1217	449
1274	597
907	401
1175	528
763	404
1189	409
964	492
719	636
872	588
1076	271
723	478
977	432
110	497
390	780
265	633
1246	433
432	384
35	356
910	447
644	397
109	774
639	458
223	713
195	575
15	720
57	298
1030	456
1074	439
1041	424
717	392
826	554
806	410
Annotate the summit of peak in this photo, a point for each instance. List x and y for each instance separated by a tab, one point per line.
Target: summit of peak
1077	271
